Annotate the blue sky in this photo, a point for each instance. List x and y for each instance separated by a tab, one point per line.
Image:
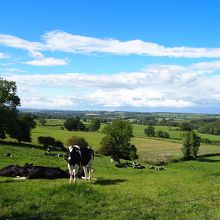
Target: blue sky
137	55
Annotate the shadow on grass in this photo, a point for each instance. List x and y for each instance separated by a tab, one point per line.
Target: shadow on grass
16	144
40	132
209	155
107	182
200	158
208	160
12	180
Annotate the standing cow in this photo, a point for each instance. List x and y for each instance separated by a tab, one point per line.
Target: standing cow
77	157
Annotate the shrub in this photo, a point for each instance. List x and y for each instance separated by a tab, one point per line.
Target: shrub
59	145
46	141
80	141
107	146
162	134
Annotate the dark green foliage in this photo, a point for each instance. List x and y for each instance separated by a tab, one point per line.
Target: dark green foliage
210	128
42	121
191	144
21	126
206	140
132	152
185	126
107	146
80	141
149	131
50	142
117	140
46	141
74	124
59	145
95	124
8	103
162	134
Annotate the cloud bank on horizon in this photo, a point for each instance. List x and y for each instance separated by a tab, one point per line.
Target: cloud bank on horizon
155	86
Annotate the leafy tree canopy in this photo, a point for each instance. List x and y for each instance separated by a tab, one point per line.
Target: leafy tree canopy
117	140
8	103
74	124
190	144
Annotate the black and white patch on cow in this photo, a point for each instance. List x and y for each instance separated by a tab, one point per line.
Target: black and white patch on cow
79	156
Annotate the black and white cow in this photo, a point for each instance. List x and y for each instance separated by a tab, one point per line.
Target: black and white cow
79	157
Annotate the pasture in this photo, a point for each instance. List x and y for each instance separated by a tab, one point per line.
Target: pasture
149	149
184	190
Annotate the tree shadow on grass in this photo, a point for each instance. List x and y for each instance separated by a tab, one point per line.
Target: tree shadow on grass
16	144
208	160
106	182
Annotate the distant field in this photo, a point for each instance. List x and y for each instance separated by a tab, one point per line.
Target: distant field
148	149
174	134
93	138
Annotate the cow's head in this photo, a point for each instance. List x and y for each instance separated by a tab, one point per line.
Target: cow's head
67	157
72	155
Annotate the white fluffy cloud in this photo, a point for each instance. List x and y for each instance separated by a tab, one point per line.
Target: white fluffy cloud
155	86
47	62
12	41
62	41
66	42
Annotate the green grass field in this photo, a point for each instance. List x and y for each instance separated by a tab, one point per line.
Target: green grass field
184	190
149	149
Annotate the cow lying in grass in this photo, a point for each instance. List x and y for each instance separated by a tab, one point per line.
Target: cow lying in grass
33	172
79	157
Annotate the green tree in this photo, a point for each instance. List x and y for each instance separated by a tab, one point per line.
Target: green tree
185	126
190	144
8	105
59	145
107	146
21	128
74	124
162	134
95	124
119	134
46	141
149	131
42	121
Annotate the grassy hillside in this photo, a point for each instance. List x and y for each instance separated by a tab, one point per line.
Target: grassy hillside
185	190
149	149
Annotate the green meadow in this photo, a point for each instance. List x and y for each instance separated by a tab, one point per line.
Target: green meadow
184	190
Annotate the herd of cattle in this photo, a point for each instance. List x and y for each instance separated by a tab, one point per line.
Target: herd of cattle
79	161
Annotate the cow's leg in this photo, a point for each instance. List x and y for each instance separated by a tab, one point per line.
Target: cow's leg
71	173
90	168
75	171
85	171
